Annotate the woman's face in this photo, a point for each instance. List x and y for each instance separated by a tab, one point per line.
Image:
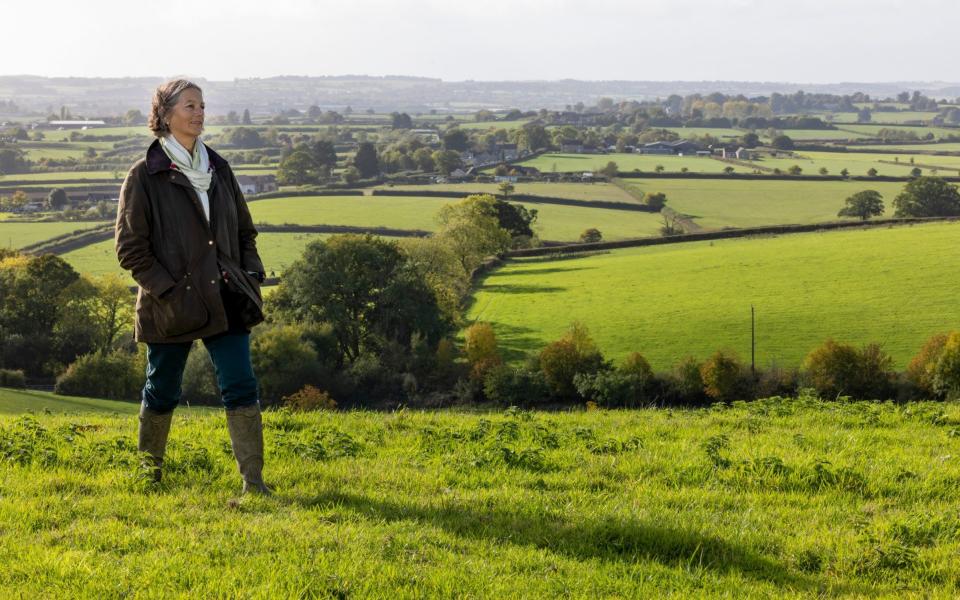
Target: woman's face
186	118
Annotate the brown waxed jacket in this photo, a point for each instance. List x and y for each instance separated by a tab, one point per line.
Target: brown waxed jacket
164	240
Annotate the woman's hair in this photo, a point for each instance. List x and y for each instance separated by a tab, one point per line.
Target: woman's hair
164	99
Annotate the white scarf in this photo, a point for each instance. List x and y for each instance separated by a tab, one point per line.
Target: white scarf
195	167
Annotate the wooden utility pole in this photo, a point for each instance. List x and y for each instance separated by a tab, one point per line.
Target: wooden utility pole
753	342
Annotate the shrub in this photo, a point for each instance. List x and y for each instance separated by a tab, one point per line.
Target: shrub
114	375
683	385
612	389
562	360
12	378
723	376
946	373
591	236
776	381
920	372
836	369
511	386
309	398
283	361
199	379
481	349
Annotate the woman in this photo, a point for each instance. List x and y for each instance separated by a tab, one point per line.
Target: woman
185	234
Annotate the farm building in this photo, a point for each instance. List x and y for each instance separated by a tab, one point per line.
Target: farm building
257	184
674	147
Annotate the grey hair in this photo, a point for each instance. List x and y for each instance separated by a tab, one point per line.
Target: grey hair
164	99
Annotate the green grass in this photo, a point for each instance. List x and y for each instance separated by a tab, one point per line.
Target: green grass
555	222
858	163
717	132
15	402
906	148
576	191
577	163
41	177
494	124
770	499
718	203
895	286
18	235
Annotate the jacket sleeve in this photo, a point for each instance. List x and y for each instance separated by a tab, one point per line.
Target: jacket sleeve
132	235
247	233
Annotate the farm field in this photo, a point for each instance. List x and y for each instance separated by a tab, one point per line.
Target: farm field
561	163
575	191
775	498
18	402
18	234
800	135
717	132
941	147
555	222
694	298
719	203
493	124
872	130
858	163
41	177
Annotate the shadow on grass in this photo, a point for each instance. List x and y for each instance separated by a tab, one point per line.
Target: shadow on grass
548	270
605	539
515	341
510	288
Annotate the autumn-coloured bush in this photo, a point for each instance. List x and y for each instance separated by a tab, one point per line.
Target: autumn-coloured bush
309	399
481	349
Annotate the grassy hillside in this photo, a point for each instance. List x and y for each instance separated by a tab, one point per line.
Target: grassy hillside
560	163
896	286
772	499
17	234
576	191
20	401
718	203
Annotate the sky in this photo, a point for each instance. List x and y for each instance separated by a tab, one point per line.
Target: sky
810	41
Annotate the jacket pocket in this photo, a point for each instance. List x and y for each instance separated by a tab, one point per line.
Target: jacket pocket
180	311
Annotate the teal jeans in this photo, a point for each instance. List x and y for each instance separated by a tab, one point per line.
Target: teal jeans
230	353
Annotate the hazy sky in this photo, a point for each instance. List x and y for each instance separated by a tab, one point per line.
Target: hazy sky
807	41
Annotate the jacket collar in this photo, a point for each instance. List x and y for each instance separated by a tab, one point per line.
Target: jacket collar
157	159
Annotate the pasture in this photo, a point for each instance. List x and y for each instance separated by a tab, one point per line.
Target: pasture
578	163
17	234
719	203
575	191
895	286
775	498
555	222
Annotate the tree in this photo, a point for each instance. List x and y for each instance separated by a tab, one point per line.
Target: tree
750	140
364	288
865	204
916	172
57	199
533	136
728	170
366	160
423	157
610	170
506	188
845	172
824	171
447	161
782	142
573	354
722	376
590	236
871	172
455	139
836	369
484	115
655	200
324	153
480	346
246	117
299	168
795	170
350	175
401	121
95	315
927	197
516	219
472	230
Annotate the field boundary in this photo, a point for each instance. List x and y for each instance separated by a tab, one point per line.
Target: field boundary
530	198
720	235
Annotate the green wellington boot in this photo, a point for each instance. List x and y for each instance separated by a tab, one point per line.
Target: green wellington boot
152	439
246	434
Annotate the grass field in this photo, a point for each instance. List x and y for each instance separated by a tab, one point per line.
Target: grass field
692	299
561	163
41	177
718	203
576	191
16	402
777	498
494	124
690	132
941	147
858	163
18	235
555	222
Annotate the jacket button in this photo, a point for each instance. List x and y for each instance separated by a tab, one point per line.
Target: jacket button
210	242
188	287
213	281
